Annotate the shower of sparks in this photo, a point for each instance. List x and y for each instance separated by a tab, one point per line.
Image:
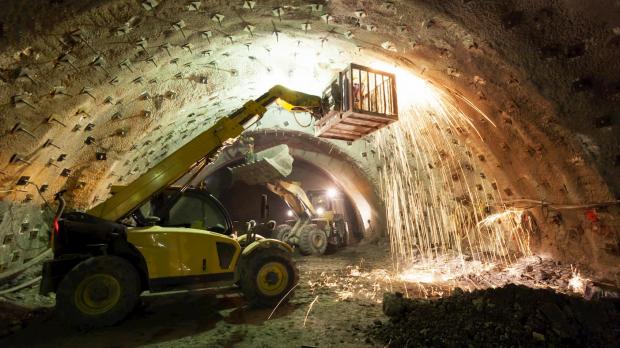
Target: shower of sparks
436	201
448	272
445	269
310	308
492	219
577	283
282	299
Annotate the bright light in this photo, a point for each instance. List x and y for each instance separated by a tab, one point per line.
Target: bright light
412	89
320	210
332	192
443	269
297	64
419	277
577	283
514	214
290	213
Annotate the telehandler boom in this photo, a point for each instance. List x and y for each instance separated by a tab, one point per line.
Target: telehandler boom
101	266
166	172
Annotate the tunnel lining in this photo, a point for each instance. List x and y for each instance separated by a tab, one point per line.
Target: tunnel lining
314	151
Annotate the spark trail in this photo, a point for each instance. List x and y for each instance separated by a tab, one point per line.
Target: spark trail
437	203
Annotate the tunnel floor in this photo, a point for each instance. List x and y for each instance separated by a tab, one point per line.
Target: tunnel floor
338	303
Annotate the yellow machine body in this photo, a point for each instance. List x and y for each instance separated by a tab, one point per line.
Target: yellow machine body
182	252
193	253
186	252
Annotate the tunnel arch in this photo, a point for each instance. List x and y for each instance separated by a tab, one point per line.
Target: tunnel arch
357	184
419	55
555	137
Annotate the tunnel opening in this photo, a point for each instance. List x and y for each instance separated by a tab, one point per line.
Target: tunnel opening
243	200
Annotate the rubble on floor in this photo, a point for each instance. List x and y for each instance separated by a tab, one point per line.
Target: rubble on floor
14	317
511	316
339	293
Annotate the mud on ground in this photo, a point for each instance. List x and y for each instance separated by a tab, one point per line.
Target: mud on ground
338	298
342	305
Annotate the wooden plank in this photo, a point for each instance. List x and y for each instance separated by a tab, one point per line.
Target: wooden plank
361	122
333	119
375	114
346	132
338	136
333	114
349	128
355	132
373	123
342	134
351	132
345	123
378	118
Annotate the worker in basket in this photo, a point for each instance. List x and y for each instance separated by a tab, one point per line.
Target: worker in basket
359	94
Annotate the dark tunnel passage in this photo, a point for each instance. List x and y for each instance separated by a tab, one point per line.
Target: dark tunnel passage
243	200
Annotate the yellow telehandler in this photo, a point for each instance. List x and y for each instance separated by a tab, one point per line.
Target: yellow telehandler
178	238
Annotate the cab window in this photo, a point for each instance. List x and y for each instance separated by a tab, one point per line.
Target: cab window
190	211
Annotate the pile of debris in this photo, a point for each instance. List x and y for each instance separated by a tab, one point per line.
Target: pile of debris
512	316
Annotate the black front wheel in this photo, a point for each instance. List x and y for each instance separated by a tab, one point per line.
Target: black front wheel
99	291
267	276
282	231
312	240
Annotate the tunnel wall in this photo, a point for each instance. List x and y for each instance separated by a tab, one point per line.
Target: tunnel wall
24	233
336	160
79	74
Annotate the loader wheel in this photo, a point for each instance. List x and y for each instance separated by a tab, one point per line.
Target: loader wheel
98	292
312	240
267	276
281	232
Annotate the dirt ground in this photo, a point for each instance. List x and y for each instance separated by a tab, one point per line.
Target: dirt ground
322	313
338	298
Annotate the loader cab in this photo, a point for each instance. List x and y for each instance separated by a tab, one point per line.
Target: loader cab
326	201
191	208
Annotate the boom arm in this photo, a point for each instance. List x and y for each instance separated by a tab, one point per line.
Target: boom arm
294	196
206	144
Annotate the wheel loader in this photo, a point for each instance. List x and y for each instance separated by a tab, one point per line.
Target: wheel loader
317	224
106	257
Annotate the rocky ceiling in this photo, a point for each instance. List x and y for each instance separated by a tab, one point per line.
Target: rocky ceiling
94	92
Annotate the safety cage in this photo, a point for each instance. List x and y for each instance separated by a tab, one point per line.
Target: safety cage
359	101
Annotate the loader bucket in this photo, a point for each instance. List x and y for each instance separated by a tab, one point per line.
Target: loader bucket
269	165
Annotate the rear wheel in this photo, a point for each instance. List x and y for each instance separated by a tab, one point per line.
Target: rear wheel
267	276
312	240
282	231
99	291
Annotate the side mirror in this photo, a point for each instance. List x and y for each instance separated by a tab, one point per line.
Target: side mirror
152	220
264	207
